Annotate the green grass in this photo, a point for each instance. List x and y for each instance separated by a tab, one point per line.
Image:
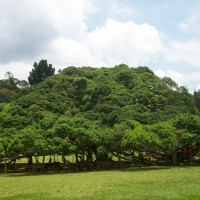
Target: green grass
154	183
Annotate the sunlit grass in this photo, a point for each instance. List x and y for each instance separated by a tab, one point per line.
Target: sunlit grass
142	184
57	158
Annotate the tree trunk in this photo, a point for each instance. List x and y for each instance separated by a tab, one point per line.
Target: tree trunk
191	157
6	166
50	160
119	159
30	160
33	168
89	155
76	158
140	158
37	160
13	165
43	160
83	157
132	156
174	157
64	159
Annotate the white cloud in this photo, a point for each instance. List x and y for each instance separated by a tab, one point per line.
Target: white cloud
191	24
197	87
183	26
120	9
126	42
183	52
111	44
27	26
65	51
179	78
19	70
30	29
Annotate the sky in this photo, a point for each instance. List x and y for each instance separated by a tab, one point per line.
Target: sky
163	35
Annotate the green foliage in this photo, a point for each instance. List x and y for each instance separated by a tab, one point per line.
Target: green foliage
40	72
95	112
25	140
6	95
190	124
1	149
166	133
169	82
78	133
137	137
10	87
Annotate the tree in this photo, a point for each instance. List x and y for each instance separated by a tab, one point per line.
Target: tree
94	113
139	139
170	83
4	150
168	137
24	142
189	125
112	140
197	98
82	134
12	83
10	87
40	72
15	84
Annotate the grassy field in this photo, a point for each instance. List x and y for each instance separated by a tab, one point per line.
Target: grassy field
154	183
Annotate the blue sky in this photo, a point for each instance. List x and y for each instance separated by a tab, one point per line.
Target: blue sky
161	34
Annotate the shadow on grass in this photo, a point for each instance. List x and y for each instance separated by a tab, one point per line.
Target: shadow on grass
152	168
129	169
125	169
26	174
144	168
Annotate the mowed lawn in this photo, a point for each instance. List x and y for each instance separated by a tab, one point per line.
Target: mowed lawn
154	183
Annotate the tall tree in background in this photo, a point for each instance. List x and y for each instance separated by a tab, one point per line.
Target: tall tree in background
197	98
10	86
12	82
40	72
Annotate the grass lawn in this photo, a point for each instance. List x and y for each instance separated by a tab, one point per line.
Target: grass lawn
153	183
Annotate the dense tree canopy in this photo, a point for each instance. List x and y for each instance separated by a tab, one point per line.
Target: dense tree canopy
97	113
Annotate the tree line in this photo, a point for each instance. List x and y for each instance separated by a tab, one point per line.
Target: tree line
96	114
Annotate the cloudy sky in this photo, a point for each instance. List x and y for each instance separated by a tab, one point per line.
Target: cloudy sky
163	35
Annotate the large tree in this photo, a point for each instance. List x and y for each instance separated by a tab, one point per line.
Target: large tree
94	113
40	72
